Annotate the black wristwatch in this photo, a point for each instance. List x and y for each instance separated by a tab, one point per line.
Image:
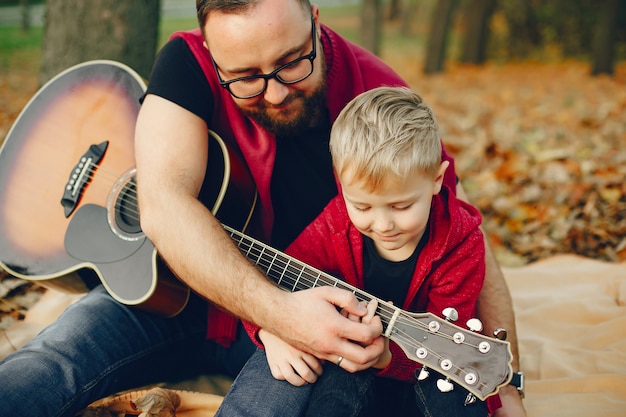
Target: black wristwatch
518	382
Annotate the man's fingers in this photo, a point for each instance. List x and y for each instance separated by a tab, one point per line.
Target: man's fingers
345	300
373	352
330	333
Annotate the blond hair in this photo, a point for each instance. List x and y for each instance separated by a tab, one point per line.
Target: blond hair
387	130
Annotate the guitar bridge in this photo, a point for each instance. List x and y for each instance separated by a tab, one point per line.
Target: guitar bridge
80	176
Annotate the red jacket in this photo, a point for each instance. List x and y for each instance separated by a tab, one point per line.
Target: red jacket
450	268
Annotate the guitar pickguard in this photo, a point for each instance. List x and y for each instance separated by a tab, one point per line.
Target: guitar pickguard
89	238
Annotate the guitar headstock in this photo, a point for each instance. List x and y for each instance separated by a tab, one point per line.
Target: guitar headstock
478	363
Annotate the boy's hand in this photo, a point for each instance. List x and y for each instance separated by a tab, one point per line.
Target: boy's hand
289	363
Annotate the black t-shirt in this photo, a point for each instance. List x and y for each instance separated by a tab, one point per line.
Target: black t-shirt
302	180
389	280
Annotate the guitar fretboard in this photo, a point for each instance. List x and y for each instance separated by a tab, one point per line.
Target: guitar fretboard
293	275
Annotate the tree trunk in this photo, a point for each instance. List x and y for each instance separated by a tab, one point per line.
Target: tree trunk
604	39
81	30
395	9
25	14
371	25
437	40
408	13
477	16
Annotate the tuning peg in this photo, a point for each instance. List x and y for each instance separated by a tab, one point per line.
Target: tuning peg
423	374
500	333
470	399
474	325
444	385
450	314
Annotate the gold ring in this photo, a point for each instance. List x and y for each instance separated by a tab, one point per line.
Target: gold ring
339	361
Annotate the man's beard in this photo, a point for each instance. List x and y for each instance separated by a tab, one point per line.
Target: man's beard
307	115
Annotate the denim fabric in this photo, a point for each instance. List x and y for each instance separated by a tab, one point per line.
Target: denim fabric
338	393
256	393
434	403
99	347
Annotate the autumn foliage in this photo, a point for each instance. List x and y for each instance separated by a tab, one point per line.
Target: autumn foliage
541	150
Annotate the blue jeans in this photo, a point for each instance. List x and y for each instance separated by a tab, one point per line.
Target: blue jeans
255	393
99	347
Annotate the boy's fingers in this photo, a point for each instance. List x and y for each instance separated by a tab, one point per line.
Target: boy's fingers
371	311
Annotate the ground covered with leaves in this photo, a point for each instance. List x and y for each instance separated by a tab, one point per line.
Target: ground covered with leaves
540	149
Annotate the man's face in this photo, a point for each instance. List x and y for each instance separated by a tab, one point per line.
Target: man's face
259	40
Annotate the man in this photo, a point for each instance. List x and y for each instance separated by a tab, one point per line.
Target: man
256	39
98	346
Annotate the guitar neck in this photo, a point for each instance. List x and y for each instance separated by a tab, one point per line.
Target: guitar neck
293	275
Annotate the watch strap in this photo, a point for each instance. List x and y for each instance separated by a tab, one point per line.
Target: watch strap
517	381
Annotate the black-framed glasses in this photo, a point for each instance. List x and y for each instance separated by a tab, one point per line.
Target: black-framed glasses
290	73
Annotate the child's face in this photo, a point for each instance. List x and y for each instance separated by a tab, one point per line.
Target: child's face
396	215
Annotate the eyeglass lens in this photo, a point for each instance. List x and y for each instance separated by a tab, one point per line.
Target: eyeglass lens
291	73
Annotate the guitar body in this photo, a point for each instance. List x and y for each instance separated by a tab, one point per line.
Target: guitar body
84	105
68	208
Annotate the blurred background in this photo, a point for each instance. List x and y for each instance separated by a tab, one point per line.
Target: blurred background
433	32
530	95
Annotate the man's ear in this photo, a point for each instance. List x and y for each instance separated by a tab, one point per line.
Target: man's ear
439	178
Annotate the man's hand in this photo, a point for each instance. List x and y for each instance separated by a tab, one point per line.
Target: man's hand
311	321
511	403
385	358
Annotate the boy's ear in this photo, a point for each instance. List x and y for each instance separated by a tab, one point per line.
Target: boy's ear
440	174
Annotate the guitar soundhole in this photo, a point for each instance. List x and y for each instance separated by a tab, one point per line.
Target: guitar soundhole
127	210
123	210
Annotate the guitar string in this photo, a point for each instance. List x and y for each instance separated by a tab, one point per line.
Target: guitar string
303	276
479	385
131	209
308	276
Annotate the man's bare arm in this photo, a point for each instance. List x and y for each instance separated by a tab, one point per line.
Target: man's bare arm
495	305
495	310
171	154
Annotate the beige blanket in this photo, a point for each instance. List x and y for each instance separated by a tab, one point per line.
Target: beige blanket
571	318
